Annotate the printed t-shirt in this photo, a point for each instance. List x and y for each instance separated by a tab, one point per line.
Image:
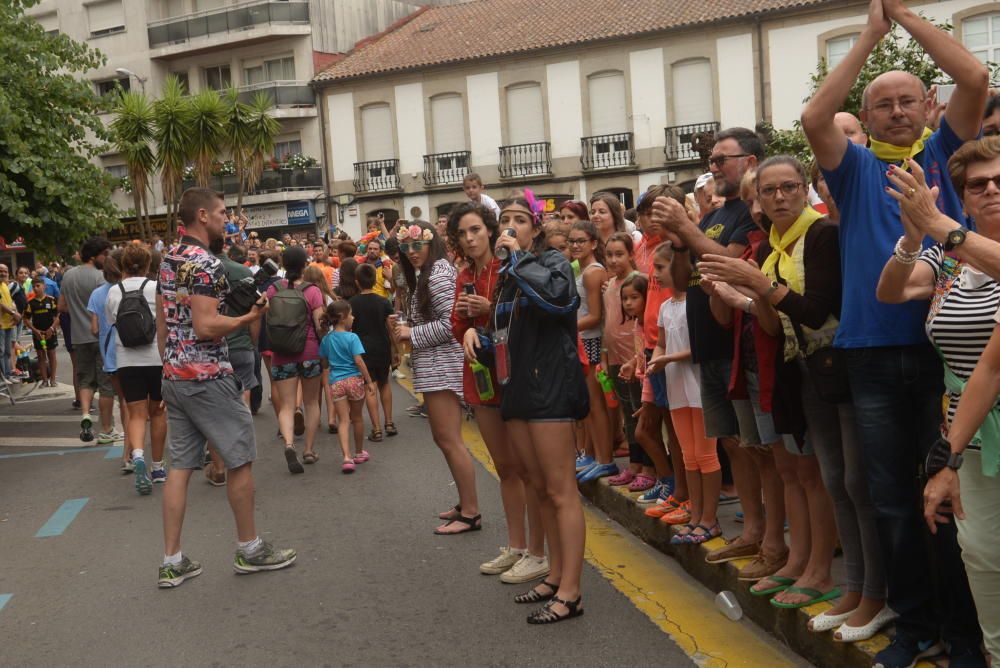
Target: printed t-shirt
729	224
869	229
43	312
339	349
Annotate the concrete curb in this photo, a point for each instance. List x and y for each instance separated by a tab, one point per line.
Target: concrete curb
789	626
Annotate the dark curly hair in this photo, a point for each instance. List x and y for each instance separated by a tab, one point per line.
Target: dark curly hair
418	287
460	211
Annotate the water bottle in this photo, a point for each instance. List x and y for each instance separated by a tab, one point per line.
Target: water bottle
727	604
503	252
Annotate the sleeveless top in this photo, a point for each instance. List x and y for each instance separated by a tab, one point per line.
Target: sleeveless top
594	332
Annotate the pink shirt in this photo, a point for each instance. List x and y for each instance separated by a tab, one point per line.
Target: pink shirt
618	330
314	297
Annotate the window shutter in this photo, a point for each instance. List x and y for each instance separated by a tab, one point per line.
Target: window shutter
525	117
105	15
376	128
693	98
448	123
49	22
607	103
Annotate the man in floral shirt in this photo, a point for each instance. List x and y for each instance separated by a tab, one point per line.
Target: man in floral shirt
203	397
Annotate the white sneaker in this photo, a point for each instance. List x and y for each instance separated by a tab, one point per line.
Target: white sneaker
527	569
396	373
508	557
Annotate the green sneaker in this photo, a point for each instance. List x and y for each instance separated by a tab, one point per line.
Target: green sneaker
173	576
267	558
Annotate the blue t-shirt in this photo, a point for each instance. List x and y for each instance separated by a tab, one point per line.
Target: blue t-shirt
106	340
869	229
51	287
339	349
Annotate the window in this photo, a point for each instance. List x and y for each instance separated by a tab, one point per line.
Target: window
376	132
525	118
278	69
105	17
981	35
607	103
448	123
173	8
111	85
117	171
218	78
202	5
182	77
286	147
693	92
49	22
837	48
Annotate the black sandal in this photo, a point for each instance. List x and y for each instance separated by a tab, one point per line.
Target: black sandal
546	615
292	459
390	429
533	596
471	524
449	515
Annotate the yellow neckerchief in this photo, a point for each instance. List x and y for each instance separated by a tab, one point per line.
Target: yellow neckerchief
891	153
779	257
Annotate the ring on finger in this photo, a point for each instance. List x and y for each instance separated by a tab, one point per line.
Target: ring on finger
910	192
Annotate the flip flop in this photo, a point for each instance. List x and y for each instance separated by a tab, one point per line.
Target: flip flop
816	597
783	582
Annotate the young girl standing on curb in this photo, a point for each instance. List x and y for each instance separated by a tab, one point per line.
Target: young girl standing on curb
341	353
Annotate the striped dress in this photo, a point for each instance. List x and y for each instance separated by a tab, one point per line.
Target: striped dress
437	357
961	318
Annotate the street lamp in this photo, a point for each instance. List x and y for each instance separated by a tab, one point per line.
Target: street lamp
129	73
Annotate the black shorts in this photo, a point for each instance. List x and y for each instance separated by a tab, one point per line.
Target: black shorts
51	343
64	325
378	368
140	383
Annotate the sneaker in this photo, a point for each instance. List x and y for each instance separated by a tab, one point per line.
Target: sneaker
422	412
396	373
597	471
215	478
584	461
905	651
662	507
76	404
267	558
652	495
173	576
127	467
158	475
679	515
527	568
143	483
109	437
508	557
86	429
964	654
414	409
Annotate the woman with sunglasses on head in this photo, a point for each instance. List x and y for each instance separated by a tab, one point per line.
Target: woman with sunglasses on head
437	360
544	393
608	215
473	230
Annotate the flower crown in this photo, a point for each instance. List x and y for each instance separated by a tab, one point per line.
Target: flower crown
413	233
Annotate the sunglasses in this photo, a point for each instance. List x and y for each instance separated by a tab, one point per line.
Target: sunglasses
415	246
720	160
978	186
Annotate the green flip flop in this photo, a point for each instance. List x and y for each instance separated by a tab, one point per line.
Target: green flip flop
783	582
815	595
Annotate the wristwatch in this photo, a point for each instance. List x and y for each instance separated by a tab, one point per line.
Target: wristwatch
770	290
941	456
955	238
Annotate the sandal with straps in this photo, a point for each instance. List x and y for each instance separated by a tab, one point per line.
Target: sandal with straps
449	515
471	524
375	435
534	596
390	429
547	615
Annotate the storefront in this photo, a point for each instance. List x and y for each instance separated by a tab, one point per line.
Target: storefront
15	254
276	220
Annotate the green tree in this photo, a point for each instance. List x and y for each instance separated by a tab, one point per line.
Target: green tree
132	135
208	132
264	129
50	192
172	115
237	141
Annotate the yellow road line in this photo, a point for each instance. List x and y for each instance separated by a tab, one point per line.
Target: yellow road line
677	604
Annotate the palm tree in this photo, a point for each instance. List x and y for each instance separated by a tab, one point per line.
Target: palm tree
132	131
172	129
264	129
208	132
237	132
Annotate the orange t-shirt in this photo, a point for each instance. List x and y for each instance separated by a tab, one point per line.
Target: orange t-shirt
655	295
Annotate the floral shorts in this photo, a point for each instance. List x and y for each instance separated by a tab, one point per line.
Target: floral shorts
352	389
304	369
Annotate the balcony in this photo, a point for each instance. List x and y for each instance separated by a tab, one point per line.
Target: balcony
443	168
520	161
283	93
680	141
613	151
271	181
247	22
376	176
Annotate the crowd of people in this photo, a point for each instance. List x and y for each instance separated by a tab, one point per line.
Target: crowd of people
817	342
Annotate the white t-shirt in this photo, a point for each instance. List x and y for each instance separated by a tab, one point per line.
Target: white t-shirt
147	355
683	378
490	203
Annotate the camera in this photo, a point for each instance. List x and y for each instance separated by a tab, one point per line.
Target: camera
246	292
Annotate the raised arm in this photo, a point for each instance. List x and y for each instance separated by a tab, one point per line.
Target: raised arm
827	140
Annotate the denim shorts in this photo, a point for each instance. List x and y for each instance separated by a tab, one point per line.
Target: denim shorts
304	369
765	422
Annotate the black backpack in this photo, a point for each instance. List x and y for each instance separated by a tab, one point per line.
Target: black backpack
135	323
288	319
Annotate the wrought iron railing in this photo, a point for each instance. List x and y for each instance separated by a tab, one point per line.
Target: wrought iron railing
607	151
233	18
679	147
271	181
522	160
376	175
283	93
442	168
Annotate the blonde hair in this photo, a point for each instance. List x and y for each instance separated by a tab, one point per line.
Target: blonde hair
748	184
314	275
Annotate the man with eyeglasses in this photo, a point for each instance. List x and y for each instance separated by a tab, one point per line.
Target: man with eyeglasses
896	377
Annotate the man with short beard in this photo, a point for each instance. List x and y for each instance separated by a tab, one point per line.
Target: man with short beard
321	261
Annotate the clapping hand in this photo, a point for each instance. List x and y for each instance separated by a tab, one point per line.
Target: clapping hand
917	203
725	269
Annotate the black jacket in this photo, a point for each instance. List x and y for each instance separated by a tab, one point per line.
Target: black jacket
538	301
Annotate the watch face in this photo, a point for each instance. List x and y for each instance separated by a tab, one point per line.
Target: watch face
957	236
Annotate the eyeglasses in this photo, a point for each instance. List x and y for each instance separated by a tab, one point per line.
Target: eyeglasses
788	188
415	246
978	186
577	242
720	160
885	107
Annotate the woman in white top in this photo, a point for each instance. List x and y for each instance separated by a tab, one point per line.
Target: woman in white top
140	369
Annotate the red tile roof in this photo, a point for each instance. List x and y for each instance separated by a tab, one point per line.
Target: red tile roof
490	28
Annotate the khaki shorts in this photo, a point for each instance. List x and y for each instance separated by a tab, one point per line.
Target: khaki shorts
89	369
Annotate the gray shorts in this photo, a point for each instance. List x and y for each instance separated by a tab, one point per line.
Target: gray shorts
725	417
89	369
210	410
243	363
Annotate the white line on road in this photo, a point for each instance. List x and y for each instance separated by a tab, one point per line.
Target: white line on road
43	442
39	418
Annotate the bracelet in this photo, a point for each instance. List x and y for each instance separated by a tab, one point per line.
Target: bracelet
748	304
904	256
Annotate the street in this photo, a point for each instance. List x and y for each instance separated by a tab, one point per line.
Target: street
372	586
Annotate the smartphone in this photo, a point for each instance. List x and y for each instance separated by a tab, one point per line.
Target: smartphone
469	289
944	92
